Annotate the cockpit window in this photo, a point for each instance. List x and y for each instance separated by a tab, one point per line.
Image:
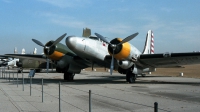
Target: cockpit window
94	38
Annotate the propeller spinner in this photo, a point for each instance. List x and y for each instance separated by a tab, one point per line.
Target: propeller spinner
114	46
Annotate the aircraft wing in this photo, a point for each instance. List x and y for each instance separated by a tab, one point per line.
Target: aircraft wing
39	57
4	57
168	59
76	61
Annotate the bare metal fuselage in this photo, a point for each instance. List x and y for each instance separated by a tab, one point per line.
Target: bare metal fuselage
94	49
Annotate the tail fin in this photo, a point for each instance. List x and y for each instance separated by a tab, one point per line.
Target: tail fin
35	51
149	45
86	32
23	51
15	50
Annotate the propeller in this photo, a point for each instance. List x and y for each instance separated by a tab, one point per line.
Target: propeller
38	42
114	46
102	38
48	47
92	66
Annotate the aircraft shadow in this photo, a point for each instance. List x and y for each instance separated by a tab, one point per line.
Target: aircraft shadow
142	81
99	80
102	80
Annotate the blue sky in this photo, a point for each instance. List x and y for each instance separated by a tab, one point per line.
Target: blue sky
175	23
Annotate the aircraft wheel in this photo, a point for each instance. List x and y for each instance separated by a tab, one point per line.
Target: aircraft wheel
19	71
143	75
38	70
58	70
130	77
69	76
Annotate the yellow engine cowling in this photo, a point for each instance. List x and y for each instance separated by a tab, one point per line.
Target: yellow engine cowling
57	51
122	52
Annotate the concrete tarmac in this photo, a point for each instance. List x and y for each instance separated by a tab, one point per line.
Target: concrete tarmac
110	93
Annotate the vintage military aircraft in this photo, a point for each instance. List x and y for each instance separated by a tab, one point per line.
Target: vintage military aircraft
130	60
3	60
118	54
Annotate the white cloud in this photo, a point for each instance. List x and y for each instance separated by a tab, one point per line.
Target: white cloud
117	29
7	1
72	22
176	36
168	34
66	3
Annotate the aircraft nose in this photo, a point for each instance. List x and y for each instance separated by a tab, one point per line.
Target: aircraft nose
71	42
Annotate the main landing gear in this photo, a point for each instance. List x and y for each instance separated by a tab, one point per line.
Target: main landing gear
143	75
130	77
69	76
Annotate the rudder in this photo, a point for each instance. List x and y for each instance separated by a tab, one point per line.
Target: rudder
149	44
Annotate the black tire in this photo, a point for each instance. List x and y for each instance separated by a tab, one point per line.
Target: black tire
143	75
58	70
19	71
38	70
130	77
69	76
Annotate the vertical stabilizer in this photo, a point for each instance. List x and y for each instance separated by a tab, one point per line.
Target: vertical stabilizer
35	51
86	32
15	50
149	44
23	51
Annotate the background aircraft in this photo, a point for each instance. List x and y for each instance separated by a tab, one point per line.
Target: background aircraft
118	54
25	63
3	60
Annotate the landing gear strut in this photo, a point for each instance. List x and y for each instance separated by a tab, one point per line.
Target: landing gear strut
69	76
130	77
20	70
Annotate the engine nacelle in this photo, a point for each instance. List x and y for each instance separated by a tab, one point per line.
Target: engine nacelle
125	64
66	64
73	69
121	70
123	51
149	70
137	70
63	62
57	51
19	64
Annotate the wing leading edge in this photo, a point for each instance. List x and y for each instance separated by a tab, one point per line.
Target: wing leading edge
168	59
28	56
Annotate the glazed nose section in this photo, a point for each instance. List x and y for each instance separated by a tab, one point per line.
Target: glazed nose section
71	42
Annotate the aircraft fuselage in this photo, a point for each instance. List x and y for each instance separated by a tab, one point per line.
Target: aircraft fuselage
87	48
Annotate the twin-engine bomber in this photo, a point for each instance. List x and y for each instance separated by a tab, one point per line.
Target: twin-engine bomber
117	54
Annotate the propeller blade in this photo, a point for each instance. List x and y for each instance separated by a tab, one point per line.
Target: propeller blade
38	42
128	38
59	39
52	67
112	63
92	66
102	38
47	65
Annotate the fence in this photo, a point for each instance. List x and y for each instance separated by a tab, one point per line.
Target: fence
5	74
